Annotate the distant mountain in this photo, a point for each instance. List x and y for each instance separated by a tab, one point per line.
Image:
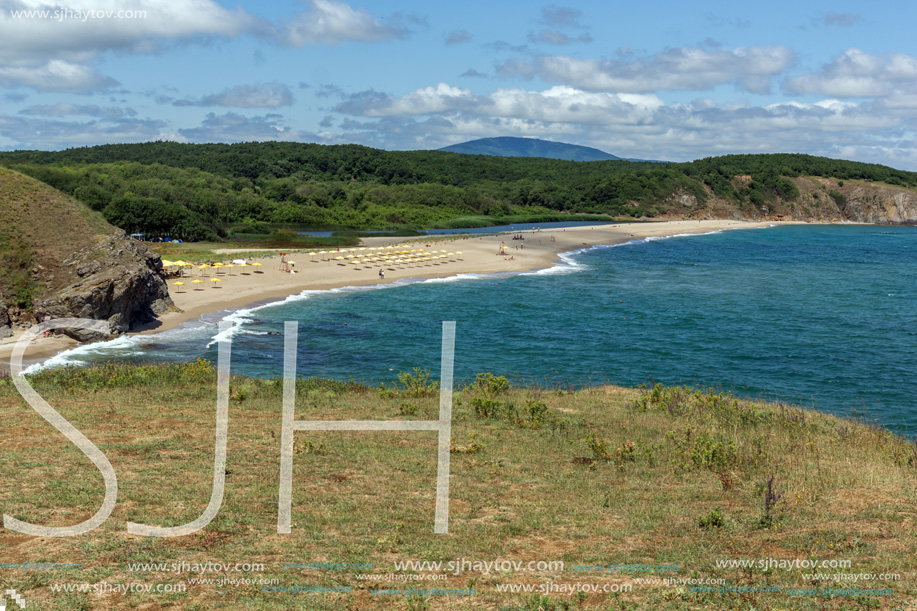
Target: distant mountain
529	147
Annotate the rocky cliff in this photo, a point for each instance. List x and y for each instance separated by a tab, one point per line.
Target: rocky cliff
61	260
819	200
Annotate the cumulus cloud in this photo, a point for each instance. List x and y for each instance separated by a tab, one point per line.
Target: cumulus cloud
855	74
472	73
690	69
89	110
458	37
75	32
629	124
51	52
557	104
329	21
56	75
233	127
267	95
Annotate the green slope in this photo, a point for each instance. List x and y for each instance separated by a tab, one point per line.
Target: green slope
41	227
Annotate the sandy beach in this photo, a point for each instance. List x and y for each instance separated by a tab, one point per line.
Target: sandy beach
243	286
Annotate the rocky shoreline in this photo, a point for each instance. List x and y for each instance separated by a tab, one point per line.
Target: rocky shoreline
119	280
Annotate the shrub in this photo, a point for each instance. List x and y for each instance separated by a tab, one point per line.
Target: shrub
599	448
486	408
417	384
714	519
712	451
492	385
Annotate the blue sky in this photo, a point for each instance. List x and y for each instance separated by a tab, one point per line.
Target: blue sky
657	79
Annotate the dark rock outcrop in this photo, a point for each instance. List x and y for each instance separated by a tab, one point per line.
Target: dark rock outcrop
120	281
5	327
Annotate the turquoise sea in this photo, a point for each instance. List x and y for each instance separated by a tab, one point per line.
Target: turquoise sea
822	316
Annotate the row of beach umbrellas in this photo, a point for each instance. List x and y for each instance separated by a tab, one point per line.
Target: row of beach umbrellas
391	257
381	255
215	266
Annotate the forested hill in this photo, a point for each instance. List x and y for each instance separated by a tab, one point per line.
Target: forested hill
529	147
199	190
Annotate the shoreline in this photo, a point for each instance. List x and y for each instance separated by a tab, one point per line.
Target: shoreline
479	255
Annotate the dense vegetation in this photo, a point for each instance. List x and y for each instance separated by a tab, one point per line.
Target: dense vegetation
201	190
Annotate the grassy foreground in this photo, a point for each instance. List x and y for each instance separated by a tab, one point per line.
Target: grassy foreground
599	477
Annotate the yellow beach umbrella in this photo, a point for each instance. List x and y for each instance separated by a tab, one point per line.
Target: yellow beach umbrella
215	280
197	281
179	284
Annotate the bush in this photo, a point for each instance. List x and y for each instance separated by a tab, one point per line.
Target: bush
712	451
486	408
492	385
599	448
714	519
417	384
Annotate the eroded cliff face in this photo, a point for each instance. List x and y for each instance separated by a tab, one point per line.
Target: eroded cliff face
872	204
819	200
118	280
828	199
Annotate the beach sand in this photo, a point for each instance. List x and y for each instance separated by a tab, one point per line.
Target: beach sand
239	287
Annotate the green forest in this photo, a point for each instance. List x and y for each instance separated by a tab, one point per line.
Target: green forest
212	191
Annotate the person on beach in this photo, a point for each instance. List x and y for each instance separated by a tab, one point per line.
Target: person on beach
382	274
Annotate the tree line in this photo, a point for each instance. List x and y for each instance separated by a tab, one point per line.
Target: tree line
203	190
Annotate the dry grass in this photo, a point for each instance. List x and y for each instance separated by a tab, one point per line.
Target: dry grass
46	226
598	476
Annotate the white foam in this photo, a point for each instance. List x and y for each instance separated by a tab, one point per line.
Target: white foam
459	278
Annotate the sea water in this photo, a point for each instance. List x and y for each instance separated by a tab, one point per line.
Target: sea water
821	316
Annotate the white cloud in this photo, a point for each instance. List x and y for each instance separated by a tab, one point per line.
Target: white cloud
51	52
558	104
262	95
689	69
82	37
631	124
89	110
329	21
233	127
855	74
55	75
